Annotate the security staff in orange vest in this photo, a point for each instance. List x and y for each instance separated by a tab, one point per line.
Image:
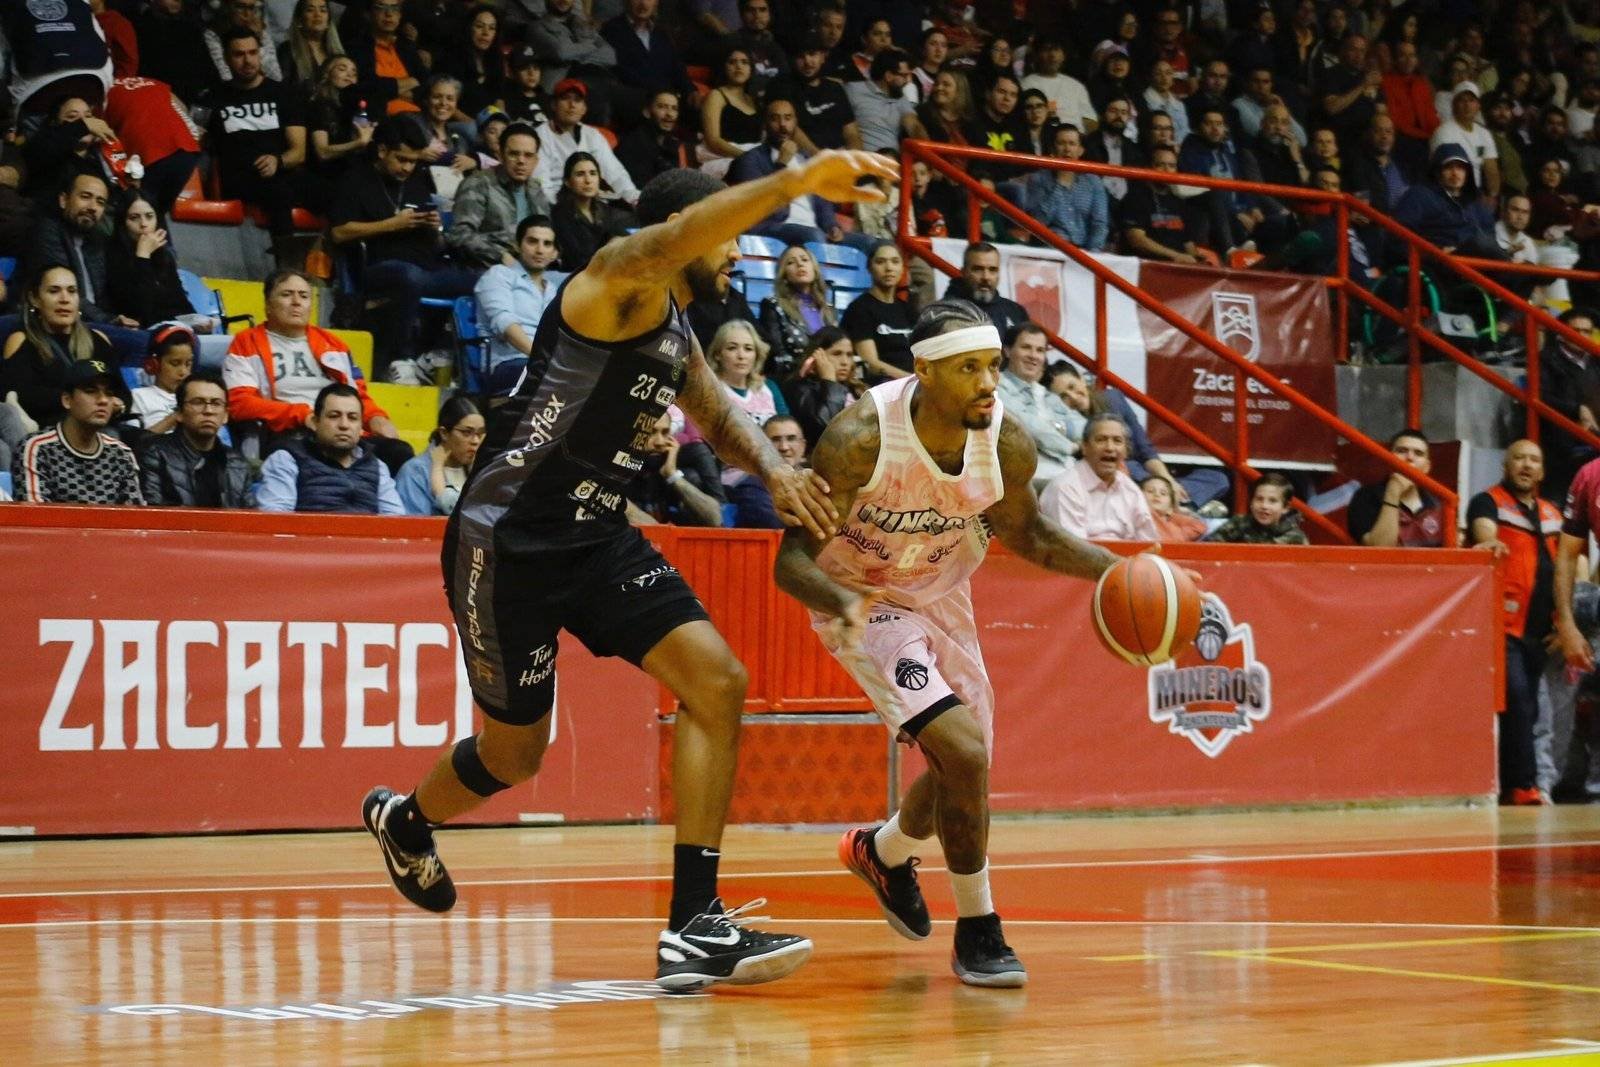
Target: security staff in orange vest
1519	527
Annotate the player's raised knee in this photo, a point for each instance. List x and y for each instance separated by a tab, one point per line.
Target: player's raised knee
955	743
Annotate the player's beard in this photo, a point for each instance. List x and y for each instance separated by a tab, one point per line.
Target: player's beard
705	283
977	422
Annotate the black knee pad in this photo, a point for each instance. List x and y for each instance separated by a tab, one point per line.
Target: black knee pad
470	769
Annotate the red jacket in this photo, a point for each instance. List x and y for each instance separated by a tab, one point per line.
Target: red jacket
1410	100
252	391
1522	562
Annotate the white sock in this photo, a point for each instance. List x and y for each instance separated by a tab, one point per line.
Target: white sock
893	845
972	893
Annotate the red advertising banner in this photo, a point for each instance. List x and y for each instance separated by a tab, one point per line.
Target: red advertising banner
1280	322
245	671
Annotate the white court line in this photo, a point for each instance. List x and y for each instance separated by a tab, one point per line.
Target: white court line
1170	861
589	920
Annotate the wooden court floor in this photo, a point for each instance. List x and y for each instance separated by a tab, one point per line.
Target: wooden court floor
1419	936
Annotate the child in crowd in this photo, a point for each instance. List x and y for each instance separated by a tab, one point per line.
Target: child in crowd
524	100
1270	520
171	359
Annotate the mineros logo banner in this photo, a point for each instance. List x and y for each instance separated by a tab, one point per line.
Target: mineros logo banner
1217	689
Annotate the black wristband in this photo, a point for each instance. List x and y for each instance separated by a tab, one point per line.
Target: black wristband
1388	504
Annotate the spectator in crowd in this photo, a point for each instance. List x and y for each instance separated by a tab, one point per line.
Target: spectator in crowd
385	208
882	113
1278	155
1155	223
1569	381
1376	175
339	129
997	126
1110	143
1446	210
706	316
653	146
565	132
1068	97
1168	34
730	116
948	113
492	201
1156	128
1351	90
952	18
491	124
1233	216
275	371
1300	50
313	40
447	144
1038	128
55	50
142	273
1548	139
1554	203
258	138
1160	96
172	48
191	467
332	470
524	99
876	36
1464	130
647	60
663	493
980	283
72	235
821	104
1253	48
1054	427
1252	105
1511	232
68	144
1522	528
1325	151
1212	92
248	16
477	60
1581	114
1409	98
53	338
171	360
571	46
828	21
878	322
1172	524
807	218
1111	78
796	310
583	221
788	439
738	355
933	48
1395	511
430	484
391	69
512	299
154	125
1501	120
75	461
1269	521
825	384
1094	498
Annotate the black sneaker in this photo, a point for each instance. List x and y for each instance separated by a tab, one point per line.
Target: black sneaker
716	947
982	957
895	887
420	877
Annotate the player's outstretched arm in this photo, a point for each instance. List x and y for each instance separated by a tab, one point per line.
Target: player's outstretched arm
801	498
622	292
844	457
1020	525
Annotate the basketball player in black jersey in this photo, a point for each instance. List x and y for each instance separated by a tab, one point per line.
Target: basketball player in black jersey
539	543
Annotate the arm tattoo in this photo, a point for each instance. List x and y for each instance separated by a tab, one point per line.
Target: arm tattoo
845	456
733	435
1023	529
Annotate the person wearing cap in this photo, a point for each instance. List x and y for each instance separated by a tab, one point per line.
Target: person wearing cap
1464	130
1446	209
565	132
647	60
191	467
524	100
823	108
570	45
75	462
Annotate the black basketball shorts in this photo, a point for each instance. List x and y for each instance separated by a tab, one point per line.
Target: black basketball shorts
511	599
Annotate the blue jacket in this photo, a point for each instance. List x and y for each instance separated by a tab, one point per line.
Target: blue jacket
1199	156
758	163
297	478
1436	216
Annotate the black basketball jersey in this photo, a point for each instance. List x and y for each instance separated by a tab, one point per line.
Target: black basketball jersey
561	451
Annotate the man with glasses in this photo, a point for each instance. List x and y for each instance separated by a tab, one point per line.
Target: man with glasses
882	114
192	468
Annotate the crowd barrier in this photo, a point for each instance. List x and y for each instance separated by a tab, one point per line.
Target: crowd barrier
173	671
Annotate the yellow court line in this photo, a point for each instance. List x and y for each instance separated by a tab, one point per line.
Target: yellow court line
1487	939
1397	972
1134	958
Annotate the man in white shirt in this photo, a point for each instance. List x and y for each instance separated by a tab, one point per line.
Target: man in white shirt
1093	498
512	300
1054	427
1511	232
564	133
1464	129
1069	97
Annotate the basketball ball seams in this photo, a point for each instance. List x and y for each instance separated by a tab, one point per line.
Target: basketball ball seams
1145	610
1169	582
1100	619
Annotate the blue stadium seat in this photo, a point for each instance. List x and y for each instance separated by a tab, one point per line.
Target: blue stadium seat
755	278
5	484
760	247
472	347
837	256
845	284
757	290
208	301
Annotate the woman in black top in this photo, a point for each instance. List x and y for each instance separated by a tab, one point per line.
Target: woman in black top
52	336
477	61
67	145
313	40
142	272
730	117
879	325
339	126
583	222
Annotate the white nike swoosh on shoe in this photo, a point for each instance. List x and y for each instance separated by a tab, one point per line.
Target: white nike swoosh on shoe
731	939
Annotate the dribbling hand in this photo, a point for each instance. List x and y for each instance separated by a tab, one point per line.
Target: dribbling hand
802	498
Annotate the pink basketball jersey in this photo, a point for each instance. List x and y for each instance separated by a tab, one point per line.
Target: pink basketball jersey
914	530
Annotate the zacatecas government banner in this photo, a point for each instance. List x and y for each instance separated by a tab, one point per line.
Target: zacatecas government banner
1280	322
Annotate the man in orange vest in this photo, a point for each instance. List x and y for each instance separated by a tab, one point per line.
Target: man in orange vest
1519	527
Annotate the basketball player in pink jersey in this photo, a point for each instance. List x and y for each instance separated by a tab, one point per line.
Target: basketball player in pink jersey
921	472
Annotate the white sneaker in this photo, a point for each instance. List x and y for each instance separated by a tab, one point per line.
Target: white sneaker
406	372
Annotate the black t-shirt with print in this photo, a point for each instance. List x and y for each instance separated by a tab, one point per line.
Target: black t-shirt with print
365	195
887	325
249	123
822	110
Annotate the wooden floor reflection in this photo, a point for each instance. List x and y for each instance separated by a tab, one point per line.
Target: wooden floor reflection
1295	938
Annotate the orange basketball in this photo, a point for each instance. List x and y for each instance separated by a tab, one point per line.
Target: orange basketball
1146	611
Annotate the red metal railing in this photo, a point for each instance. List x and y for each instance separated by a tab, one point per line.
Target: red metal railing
939	157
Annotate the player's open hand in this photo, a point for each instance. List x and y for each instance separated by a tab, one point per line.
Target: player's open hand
802	498
832	175
1194	575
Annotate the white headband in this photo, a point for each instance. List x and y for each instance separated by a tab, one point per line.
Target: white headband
957	342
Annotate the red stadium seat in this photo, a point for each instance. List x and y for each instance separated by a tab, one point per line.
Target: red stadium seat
611	138
194	206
